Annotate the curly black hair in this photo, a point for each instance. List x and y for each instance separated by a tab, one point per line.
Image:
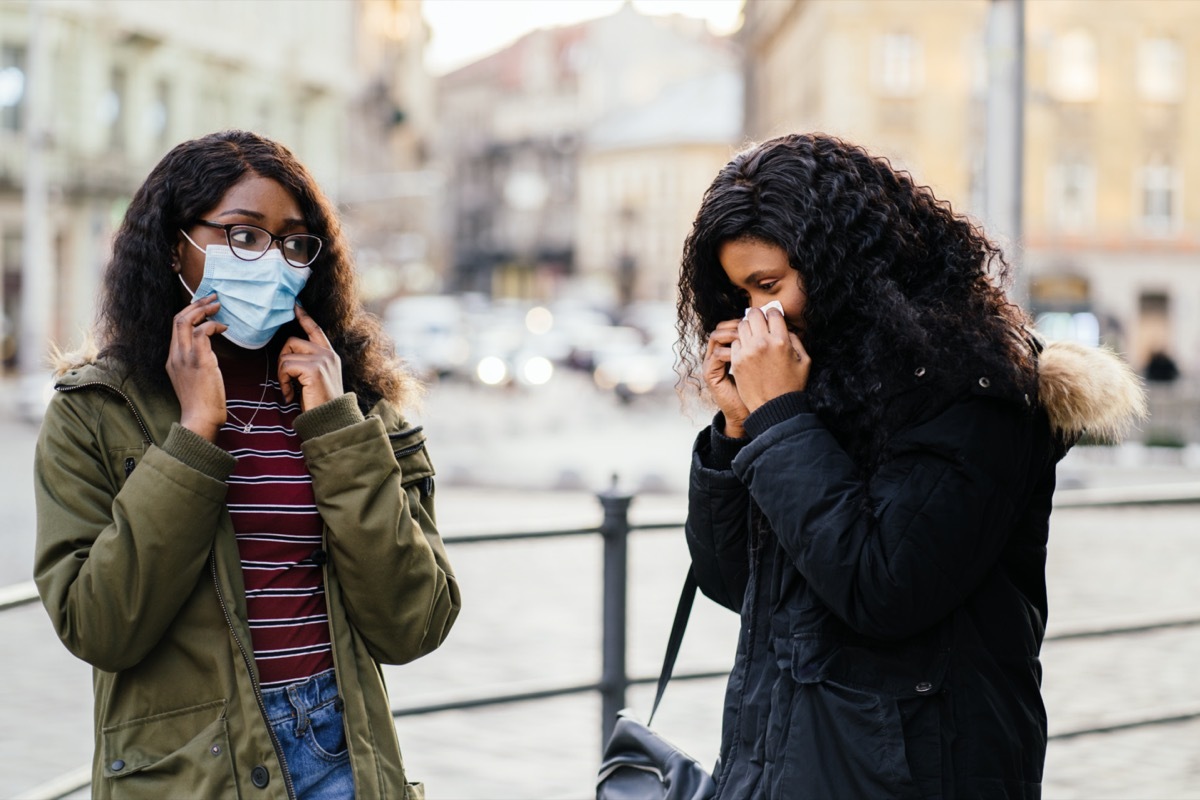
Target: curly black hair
141	292
894	279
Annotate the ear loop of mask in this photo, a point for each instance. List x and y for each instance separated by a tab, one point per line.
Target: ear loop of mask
179	274
190	292
198	247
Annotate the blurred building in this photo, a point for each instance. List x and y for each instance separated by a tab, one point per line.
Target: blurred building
642	173
1111	230
540	175
123	81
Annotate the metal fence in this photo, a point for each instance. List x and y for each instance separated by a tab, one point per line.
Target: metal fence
614	681
615	529
1174	413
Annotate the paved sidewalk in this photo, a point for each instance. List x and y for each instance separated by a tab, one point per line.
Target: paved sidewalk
531	615
532	611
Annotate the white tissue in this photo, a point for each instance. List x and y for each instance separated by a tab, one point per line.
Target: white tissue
775	304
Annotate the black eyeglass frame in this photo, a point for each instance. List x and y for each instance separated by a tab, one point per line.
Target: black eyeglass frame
229	226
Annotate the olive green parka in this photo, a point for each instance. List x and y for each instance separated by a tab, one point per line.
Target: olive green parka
139	569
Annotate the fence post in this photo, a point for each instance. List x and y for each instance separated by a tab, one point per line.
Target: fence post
613	678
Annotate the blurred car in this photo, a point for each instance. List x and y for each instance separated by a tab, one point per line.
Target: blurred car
505	351
430	333
636	367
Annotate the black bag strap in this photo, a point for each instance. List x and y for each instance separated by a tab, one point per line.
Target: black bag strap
682	612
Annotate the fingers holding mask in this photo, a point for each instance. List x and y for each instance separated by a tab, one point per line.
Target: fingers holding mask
193	369
311	363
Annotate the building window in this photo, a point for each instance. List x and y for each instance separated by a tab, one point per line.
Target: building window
112	109
1074	67
262	117
158	114
12	87
899	70
1159	186
1160	70
1073	196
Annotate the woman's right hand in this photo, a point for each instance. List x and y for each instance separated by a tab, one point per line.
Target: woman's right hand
193	369
720	383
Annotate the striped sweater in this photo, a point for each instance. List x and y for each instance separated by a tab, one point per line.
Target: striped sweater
278	527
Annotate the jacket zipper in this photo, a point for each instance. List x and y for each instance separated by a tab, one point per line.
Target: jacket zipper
100	384
333	651
262	706
752	521
212	560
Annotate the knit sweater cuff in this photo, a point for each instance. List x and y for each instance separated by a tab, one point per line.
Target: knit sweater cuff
722	449
778	410
198	453
340	412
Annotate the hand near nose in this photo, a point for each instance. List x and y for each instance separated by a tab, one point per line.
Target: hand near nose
770	359
717	356
312	364
193	370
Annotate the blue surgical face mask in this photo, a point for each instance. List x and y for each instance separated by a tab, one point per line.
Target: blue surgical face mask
257	297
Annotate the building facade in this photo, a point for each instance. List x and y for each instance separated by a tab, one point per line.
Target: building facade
122	81
642	174
1111	233
533	147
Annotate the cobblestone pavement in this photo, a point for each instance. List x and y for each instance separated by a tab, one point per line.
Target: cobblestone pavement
532	615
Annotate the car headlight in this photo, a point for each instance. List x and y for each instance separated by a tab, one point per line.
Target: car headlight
491	370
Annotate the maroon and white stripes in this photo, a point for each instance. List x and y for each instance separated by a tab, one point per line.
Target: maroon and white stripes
278	529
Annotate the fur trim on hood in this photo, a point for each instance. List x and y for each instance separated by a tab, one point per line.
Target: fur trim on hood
62	360
1089	390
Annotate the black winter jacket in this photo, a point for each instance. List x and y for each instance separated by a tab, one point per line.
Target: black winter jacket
890	625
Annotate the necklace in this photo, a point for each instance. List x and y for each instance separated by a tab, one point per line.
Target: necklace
246	427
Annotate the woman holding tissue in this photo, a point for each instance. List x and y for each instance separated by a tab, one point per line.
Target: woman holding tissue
873	497
235	521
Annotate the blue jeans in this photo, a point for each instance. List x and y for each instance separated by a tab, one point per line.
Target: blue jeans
307	720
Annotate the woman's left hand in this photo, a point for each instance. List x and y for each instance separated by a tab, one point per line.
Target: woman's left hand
310	362
768	359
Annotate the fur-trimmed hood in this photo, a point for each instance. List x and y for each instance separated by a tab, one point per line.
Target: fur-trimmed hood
61	361
1089	390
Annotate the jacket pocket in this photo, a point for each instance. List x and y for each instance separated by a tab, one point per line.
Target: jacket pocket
121	463
415	466
842	741
414	791
182	751
861	723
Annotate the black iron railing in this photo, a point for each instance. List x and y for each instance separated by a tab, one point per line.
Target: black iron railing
615	680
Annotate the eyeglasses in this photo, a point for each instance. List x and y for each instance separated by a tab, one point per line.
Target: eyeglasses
250	243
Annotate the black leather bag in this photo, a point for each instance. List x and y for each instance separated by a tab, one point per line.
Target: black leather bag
639	764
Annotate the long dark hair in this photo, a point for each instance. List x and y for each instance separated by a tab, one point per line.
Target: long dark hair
895	280
141	292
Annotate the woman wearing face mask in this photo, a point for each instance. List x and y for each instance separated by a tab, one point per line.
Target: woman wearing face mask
874	496
235	522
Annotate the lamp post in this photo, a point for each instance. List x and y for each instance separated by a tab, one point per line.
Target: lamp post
626	261
1005	151
36	270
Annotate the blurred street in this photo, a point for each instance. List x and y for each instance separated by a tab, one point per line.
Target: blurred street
532	609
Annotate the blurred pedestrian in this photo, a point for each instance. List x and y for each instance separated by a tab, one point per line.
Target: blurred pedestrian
1161	368
235	521
873	496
